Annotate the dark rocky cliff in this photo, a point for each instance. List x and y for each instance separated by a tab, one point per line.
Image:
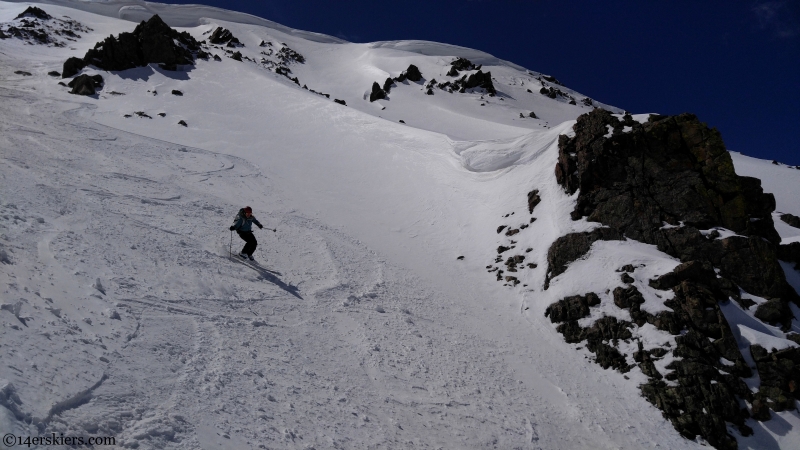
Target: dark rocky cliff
670	182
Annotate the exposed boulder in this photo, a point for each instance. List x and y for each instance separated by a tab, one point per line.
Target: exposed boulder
413	73
223	36
550	92
387	85
341	102
177	92
85	84
152	41
571	308
377	93
482	80
780	376
237	56
72	66
791	220
601	337
552	79
573	246
775	311
183	123
692	270
533	200
463	64
54	73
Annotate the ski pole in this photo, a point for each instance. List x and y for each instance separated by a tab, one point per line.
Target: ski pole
230	247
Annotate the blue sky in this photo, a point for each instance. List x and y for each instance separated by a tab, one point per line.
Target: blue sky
733	63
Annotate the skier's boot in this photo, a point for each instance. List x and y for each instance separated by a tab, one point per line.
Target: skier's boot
251	257
243	255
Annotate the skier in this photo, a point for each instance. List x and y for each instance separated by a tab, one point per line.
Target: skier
242	225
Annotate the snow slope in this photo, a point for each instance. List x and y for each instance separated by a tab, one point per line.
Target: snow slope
124	316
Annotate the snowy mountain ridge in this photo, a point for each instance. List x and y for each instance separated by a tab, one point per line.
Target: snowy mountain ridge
370	320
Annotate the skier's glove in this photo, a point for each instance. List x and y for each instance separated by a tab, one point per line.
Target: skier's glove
233	227
260	227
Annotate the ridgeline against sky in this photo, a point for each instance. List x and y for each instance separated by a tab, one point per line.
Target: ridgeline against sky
734	64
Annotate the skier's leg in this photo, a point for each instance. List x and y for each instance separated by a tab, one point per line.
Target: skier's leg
250	247
243	236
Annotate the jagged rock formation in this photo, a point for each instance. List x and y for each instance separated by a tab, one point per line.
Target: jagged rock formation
670	182
35	26
222	36
478	79
555	93
461	64
289	56
33	11
377	93
150	42
662	183
412	73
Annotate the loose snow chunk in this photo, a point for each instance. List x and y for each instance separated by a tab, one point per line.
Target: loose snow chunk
722	232
726	362
667	226
641	118
758	300
767	341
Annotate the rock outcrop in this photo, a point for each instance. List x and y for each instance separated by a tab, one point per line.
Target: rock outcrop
663	182
85	84
377	93
222	36
570	247
413	73
35	12
670	182
35	26
152	41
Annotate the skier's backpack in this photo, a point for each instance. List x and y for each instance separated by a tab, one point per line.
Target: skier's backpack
239	215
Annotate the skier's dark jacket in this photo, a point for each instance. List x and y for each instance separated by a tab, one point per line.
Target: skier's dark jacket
242	223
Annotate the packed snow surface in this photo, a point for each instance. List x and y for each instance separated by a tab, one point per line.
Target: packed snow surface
123	314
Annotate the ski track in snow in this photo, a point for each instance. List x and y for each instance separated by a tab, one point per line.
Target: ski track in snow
325	344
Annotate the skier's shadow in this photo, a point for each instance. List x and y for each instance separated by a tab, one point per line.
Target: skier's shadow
270	275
